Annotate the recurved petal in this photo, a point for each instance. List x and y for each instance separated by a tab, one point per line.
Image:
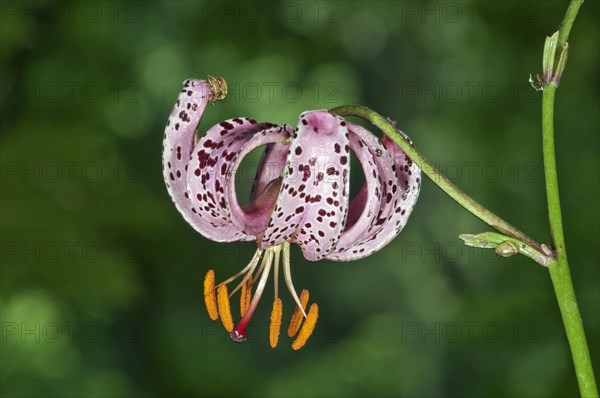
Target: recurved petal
400	185
254	217
178	142
313	203
210	164
270	166
409	176
365	206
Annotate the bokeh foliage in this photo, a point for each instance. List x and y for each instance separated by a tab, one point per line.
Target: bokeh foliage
100	278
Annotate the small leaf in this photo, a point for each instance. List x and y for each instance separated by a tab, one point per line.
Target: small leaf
552	75
486	240
549	56
505	246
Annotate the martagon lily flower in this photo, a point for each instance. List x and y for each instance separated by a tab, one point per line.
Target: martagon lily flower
300	195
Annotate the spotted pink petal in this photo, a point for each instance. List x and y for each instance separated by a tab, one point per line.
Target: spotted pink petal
365	206
253	218
312	207
210	164
270	167
195	178
400	181
177	145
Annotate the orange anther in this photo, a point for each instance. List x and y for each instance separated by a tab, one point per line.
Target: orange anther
307	327
210	299
275	322
246	296
297	316
224	309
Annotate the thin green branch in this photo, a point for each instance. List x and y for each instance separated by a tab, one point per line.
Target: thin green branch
559	269
567	23
554	213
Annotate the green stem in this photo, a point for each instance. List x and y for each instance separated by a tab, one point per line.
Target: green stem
559	269
436	176
567	23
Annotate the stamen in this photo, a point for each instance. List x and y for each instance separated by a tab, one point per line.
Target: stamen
251	267
239	333
266	259
288	275
277	251
246	296
276	313
224	309
307	328
218	88
296	320
275	322
246	268
210	299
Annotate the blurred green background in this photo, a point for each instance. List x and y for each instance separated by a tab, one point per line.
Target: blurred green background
101	277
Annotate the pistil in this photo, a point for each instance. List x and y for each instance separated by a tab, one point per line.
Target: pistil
239	333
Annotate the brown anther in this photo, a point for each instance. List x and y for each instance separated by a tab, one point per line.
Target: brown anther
307	327
246	296
218	87
210	298
297	316
224	309
275	322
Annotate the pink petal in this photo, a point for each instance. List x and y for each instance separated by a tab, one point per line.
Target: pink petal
253	218
270	166
400	183
365	206
177	144
209	167
313	203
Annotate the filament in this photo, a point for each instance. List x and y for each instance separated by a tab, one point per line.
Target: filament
253	261
288	275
